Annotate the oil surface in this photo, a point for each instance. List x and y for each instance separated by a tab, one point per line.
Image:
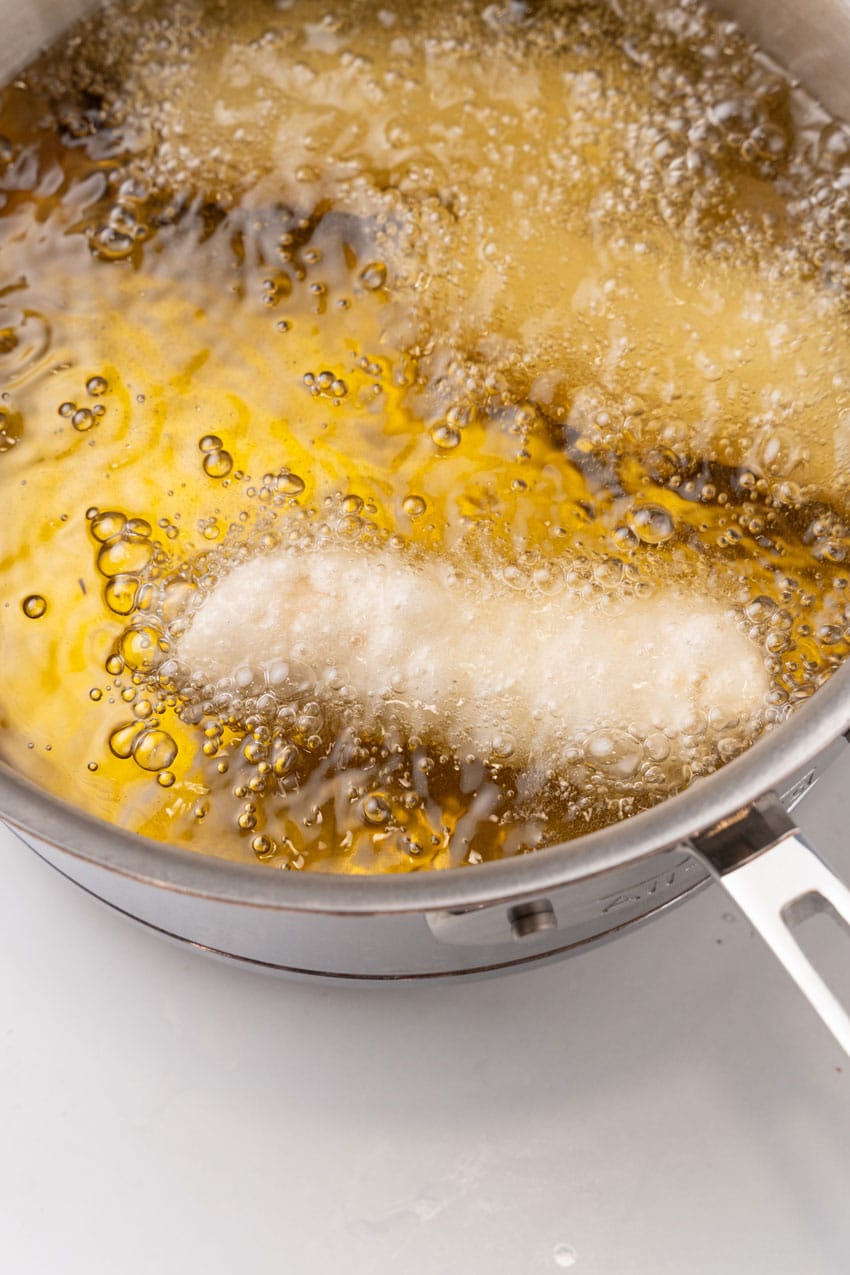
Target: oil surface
555	293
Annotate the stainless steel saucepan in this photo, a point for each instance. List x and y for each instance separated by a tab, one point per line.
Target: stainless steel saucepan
735	825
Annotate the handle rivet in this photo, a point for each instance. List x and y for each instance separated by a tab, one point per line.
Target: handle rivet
528	919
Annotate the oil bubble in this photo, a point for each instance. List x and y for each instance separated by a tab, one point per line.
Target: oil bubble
652	524
376	809
445	436
779	453
97	385
289	484
609	573
254	751
120	593
657	746
218	464
502	747
284	760
263	847
613	752
625	538
154	750
139	647
122	741
373	276
82	420
34	606
108	244
108	524
414	506
124	555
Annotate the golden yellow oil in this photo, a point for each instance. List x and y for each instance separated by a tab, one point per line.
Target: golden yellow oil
558	288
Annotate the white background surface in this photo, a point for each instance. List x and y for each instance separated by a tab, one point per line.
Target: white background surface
666	1103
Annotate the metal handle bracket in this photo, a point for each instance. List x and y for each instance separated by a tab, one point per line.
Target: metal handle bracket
778	881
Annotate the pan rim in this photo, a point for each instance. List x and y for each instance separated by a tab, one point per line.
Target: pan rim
771	760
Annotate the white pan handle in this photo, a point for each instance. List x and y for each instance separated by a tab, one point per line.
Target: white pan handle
778	881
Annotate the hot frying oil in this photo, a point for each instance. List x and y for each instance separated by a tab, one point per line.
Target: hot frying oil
555	293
